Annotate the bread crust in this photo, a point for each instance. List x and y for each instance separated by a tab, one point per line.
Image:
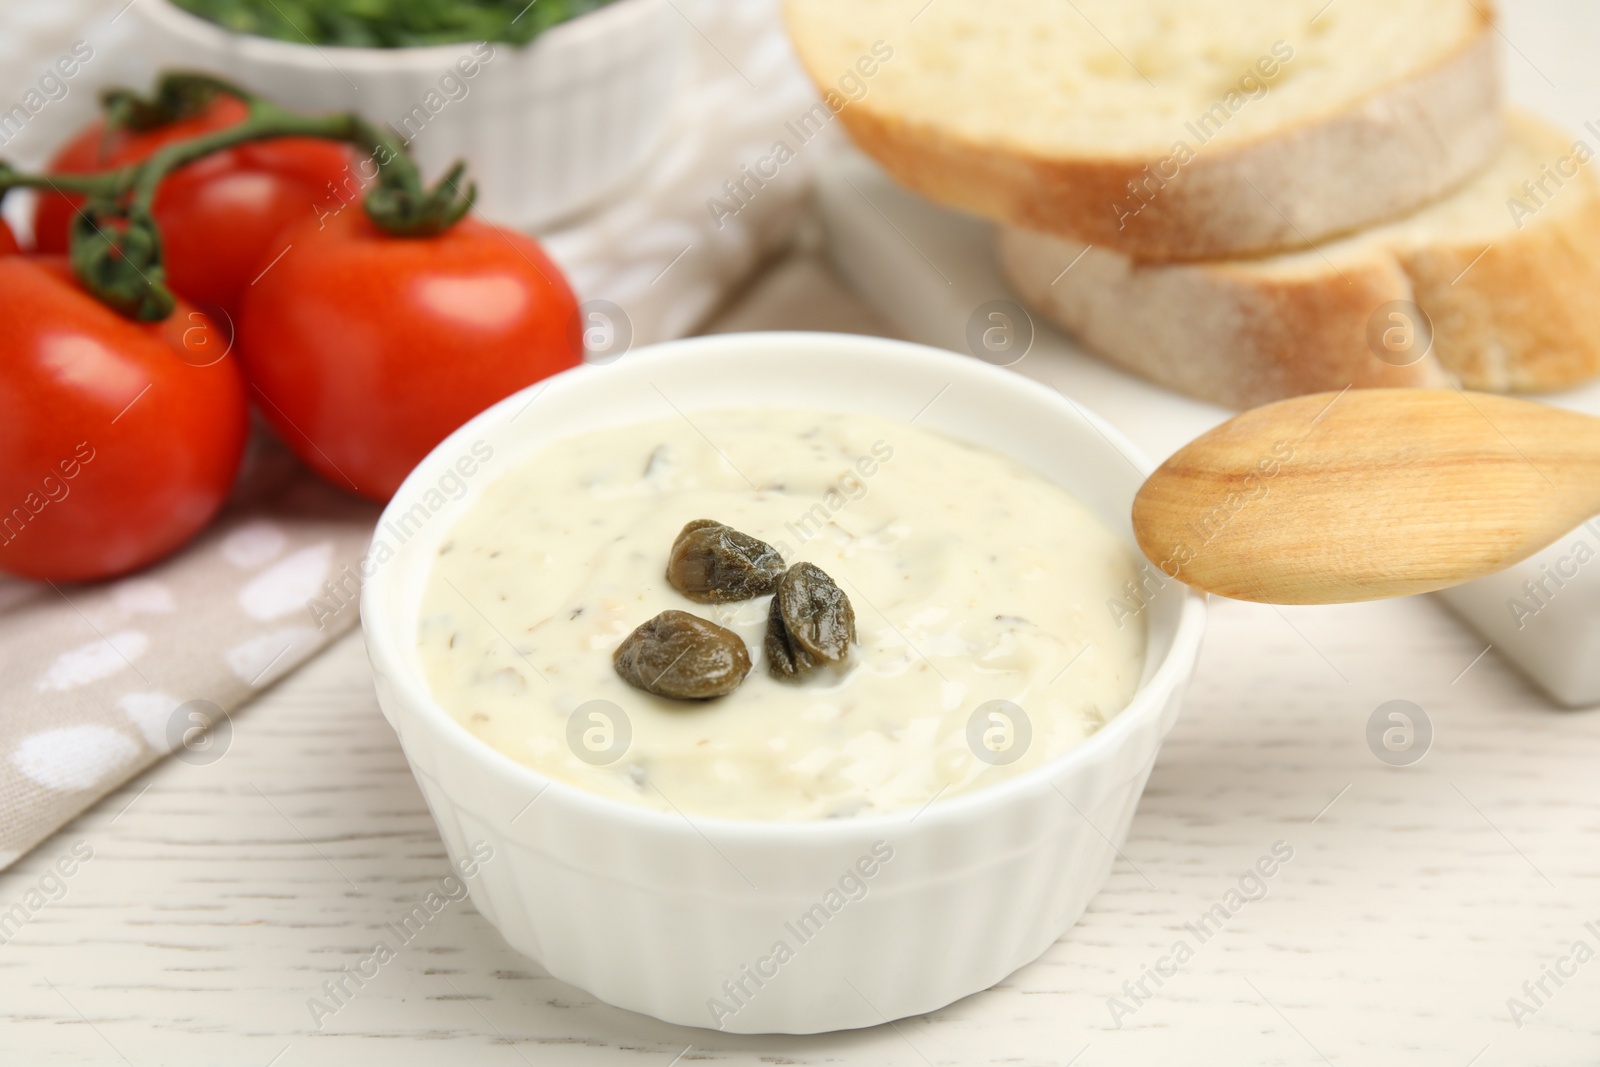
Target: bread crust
1518	314
1402	145
1222	334
1525	317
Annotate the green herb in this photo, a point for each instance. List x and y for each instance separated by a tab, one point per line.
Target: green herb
390	23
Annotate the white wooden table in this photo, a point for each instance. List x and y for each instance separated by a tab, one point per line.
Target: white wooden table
220	898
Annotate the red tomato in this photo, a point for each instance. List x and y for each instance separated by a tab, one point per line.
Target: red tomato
91	151
219	216
118	439
8	241
367	350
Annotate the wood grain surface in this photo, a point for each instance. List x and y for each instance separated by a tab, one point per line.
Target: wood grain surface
1418	900
1364	494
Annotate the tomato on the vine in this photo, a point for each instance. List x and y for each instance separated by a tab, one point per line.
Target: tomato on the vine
220	215
119	440
8	241
91	151
366	350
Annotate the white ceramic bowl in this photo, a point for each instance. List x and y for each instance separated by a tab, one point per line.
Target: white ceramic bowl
547	130
656	912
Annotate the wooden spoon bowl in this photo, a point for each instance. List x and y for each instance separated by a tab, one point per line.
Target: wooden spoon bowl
1369	493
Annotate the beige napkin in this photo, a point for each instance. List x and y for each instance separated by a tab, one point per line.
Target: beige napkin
98	682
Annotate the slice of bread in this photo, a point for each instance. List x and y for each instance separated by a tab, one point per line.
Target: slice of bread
1165	129
1507	269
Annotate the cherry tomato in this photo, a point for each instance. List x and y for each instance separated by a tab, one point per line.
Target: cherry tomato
119	440
219	216
8	241
90	151
366	350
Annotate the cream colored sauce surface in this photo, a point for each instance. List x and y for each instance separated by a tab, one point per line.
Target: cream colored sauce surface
973	579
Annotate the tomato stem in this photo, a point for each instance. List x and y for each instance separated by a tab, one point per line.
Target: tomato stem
109	183
116	244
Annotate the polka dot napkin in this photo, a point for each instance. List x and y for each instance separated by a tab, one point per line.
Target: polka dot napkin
98	682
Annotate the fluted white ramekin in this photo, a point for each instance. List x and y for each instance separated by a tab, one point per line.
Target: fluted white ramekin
547	130
672	915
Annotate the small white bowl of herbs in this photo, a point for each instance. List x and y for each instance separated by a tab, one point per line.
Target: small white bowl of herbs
554	103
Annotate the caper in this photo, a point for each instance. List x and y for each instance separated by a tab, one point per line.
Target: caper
682	656
711	562
780	657
810	623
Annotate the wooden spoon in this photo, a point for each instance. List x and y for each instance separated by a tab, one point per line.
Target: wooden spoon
1369	493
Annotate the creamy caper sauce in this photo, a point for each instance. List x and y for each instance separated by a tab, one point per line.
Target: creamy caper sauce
972	578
